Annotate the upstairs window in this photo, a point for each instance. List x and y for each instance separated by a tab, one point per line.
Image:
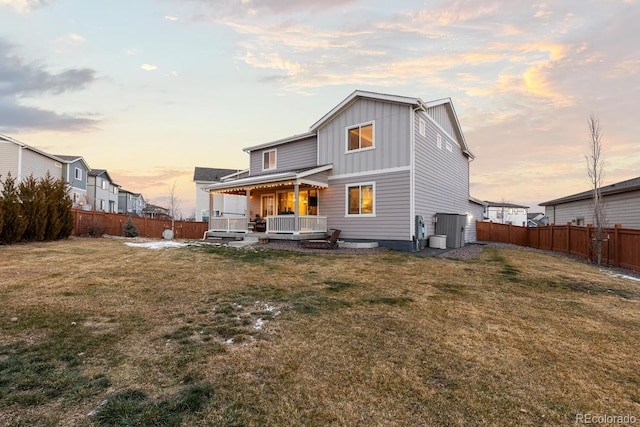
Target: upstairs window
269	160
78	174
360	137
422	127
439	140
103	183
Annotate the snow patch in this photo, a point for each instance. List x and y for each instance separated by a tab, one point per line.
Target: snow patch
623	276
162	244
258	324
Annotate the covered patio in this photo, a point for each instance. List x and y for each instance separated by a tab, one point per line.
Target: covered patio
282	205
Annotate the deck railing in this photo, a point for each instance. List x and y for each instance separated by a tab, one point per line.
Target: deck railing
230	224
287	224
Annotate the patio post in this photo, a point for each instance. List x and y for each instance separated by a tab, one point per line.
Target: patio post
296	202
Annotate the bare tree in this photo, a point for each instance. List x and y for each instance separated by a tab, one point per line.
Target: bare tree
174	205
595	171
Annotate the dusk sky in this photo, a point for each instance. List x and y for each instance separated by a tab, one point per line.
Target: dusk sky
149	89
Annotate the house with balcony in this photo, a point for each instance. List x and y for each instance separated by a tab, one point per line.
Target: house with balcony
225	204
378	167
506	213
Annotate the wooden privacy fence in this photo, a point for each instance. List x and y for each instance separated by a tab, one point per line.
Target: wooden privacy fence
621	246
147	227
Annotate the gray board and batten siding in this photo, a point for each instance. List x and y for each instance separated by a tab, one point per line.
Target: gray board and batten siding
441	176
290	156
391	125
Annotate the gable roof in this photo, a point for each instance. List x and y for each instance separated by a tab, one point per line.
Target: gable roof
98	172
28	147
415	102
277	142
632	184
211	174
72	159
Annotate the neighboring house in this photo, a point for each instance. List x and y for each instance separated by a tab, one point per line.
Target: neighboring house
506	213
103	192
536	219
378	167
476	213
75	172
130	203
206	176
155	212
22	160
621	202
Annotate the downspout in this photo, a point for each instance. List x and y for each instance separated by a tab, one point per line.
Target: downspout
20	148
412	176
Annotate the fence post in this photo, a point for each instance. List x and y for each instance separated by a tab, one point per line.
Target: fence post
617	244
510	240
589	229
568	237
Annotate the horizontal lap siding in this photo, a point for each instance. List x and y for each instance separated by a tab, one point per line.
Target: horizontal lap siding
567	212
80	184
476	212
620	209
8	159
392	200
291	156
38	165
441	177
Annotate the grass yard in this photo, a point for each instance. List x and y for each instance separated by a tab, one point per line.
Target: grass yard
110	335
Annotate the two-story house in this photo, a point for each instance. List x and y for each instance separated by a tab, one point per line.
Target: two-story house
378	167
22	160
226	204
75	171
103	192
506	213
130	203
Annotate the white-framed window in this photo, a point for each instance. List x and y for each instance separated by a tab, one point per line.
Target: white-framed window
449	147
103	184
76	198
439	140
78	174
115	190
360	137
360	199
269	160
422	127
102	205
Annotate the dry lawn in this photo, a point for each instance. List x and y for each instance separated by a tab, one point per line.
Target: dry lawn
216	336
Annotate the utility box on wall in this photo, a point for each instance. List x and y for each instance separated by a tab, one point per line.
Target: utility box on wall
453	226
420	233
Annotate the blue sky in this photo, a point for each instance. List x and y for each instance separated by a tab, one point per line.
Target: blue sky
149	89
